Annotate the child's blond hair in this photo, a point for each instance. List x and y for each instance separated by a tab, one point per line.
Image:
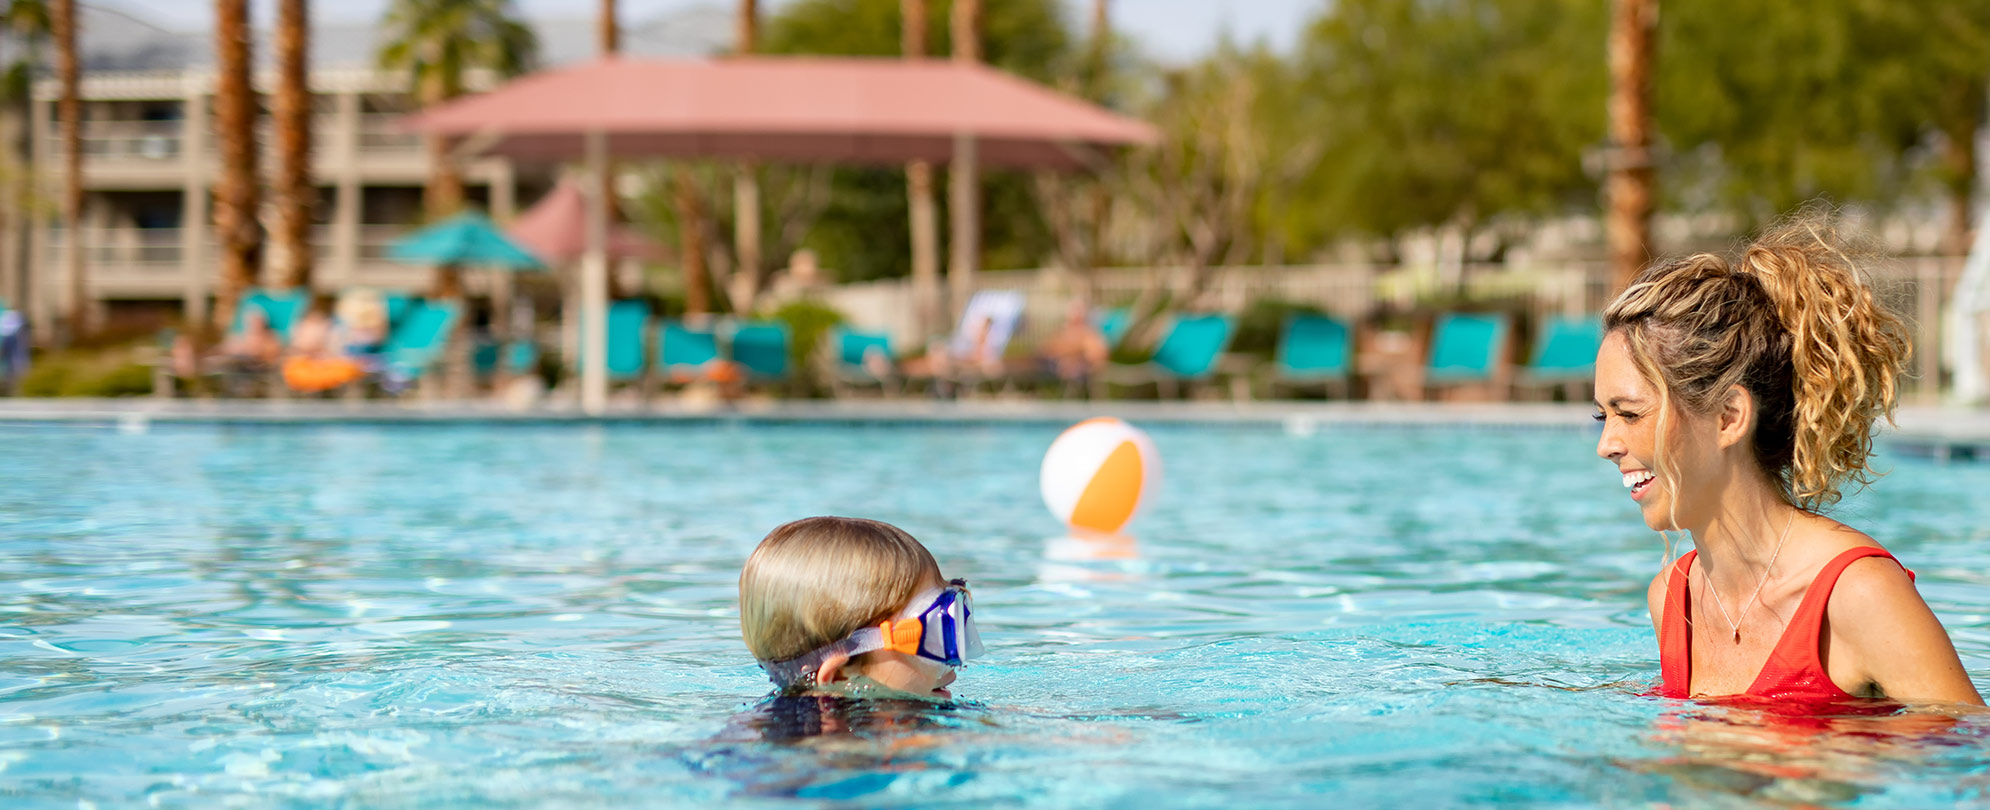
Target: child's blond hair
816	580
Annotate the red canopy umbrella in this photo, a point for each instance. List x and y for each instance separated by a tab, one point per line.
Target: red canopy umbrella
801	109
781	109
555	229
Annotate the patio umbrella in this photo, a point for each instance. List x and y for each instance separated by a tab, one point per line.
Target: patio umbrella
468	238
555	229
817	110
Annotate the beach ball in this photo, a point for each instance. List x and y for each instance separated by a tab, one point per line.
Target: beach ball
1098	472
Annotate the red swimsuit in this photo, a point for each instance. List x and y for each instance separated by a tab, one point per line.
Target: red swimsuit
1793	671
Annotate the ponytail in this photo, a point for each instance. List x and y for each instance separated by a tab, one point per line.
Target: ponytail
1847	354
1794	323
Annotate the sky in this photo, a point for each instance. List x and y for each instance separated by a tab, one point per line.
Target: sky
1170	30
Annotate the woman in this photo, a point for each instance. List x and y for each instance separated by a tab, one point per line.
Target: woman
1738	401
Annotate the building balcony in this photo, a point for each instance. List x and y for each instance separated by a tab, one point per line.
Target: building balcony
151	154
144	263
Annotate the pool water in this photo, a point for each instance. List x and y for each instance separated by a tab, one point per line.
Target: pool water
492	616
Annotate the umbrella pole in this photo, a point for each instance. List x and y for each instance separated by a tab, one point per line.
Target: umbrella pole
594	282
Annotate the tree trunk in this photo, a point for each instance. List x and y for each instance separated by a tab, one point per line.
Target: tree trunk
608	28
748	262
444	193
1964	109
919	198
295	193
1630	190
235	198
70	112
964	185
746	28
691	243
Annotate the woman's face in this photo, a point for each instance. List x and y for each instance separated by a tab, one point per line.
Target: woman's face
1628	406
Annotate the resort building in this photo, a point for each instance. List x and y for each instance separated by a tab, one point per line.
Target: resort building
150	159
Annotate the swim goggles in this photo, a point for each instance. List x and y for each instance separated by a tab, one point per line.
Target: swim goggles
942	630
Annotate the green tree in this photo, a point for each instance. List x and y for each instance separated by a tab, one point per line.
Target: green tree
1447	112
438	43
864	232
1864	101
28	23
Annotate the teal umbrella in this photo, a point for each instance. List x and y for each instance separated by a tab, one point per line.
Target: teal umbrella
469	239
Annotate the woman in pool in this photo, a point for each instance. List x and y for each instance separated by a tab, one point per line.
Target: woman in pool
1738	400
845	606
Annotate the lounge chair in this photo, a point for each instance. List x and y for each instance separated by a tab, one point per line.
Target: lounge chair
1468	349
1313	350
684	353
863	359
513	358
1113	324
627	321
975	353
417	344
1565	354
1188	354
280	310
761	351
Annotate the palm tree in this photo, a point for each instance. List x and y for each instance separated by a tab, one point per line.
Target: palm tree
295	193
746	182
28	22
438	42
919	193
964	186
236	196
69	108
1630	189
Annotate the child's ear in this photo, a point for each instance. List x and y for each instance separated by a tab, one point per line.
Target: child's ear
831	668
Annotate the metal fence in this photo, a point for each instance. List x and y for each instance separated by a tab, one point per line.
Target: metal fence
1915	288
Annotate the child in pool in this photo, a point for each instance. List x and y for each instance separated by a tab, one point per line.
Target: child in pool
832	605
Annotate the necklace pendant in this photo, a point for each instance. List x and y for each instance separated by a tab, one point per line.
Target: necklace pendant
1737	636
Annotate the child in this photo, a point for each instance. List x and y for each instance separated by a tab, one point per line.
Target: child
833	605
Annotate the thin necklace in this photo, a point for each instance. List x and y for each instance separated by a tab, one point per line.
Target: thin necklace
1761	581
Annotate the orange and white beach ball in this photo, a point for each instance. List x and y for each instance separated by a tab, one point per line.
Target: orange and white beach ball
1098	472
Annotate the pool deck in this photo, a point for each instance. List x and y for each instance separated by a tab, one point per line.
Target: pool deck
1942	433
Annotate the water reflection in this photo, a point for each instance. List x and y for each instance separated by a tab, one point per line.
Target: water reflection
1086	556
1826	753
830	746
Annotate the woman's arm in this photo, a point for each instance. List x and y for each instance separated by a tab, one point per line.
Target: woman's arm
1893	639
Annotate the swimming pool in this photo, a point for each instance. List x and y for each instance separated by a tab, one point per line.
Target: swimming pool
524	616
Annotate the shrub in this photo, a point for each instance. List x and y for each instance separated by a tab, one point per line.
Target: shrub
809	322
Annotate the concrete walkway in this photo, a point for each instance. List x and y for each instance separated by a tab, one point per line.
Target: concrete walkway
1938	432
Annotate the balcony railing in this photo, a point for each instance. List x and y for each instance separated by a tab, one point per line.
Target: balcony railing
160	250
160	141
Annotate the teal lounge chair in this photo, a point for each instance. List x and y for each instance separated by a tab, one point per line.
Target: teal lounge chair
1565	354
1468	349
684	353
1113	324
857	360
761	350
417	344
1188	354
281	310
515	358
627	321
1313	350
398	304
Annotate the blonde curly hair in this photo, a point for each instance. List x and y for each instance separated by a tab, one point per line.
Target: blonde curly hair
1793	321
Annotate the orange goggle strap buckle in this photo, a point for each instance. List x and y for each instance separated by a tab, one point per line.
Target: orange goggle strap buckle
901	636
